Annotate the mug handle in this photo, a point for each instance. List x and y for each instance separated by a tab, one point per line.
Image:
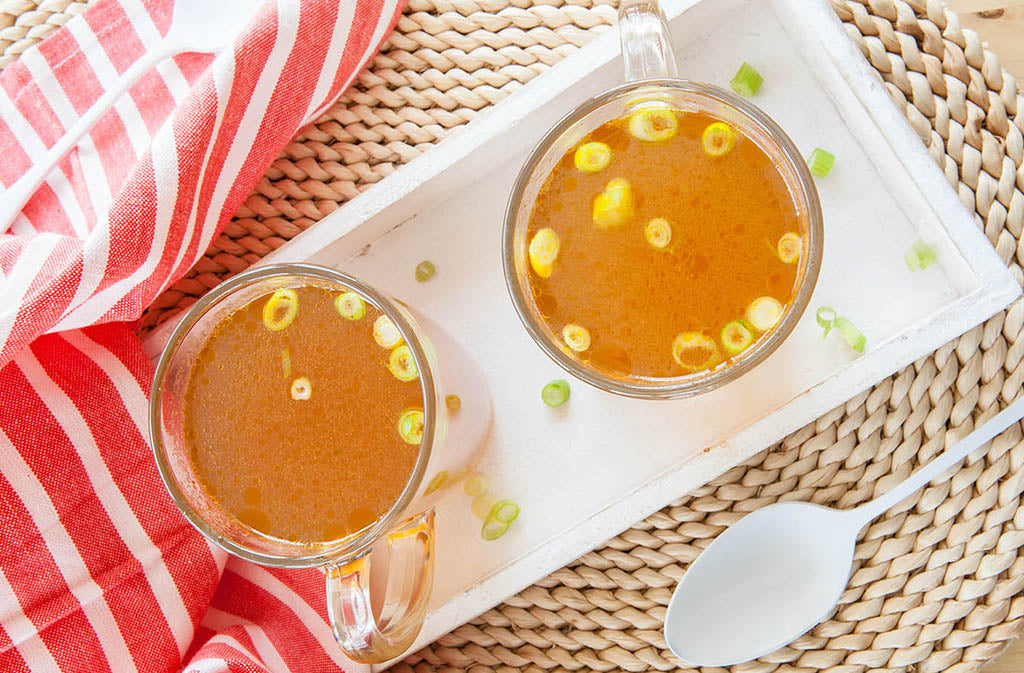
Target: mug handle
646	47
368	638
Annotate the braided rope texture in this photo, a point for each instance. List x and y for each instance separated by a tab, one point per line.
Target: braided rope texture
937	582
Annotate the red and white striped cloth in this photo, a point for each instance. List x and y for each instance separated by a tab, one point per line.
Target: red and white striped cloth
98	571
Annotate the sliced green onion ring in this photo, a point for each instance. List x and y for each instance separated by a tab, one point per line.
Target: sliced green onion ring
718	139
504	511
482	505
555	393
747	80
790	247
920	256
475	485
820	162
658	233
437	483
614	206
694	351
592	157
543	251
737	336
403	365
576	338
828	319
453	402
853	336
286	362
653	125
425	270
492	530
350	306
281	309
763	313
302	389
410	426
385	333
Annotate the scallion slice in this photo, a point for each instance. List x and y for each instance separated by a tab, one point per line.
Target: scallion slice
286	362
576	338
747	80
658	233
410	426
482	505
820	162
425	270
920	256
453	402
492	530
475	485
504	511
385	333
555	393
592	157
718	139
302	389
851	334
789	247
350	306
826	317
763	313
543	251
829	319
694	351
502	514
737	336
437	483
403	365
653	124
281	309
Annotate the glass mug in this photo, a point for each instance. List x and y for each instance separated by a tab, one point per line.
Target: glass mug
375	616
652	78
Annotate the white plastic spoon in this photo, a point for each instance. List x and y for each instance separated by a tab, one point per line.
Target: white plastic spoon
200	26
780	570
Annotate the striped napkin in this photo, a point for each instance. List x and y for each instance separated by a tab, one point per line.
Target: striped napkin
98	571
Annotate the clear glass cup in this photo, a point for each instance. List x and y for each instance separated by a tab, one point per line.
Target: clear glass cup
651	77
378	579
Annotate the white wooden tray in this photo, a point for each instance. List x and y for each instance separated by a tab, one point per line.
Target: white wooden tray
590	469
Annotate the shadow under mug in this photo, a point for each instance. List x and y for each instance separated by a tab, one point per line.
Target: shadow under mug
651	78
375	614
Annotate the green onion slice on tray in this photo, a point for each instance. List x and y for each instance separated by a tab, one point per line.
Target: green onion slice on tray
829	319
920	256
555	393
820	162
502	514
747	80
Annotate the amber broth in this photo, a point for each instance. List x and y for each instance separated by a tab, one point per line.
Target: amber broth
304	470
727	214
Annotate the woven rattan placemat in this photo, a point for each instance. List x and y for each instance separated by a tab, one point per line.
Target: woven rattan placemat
938	581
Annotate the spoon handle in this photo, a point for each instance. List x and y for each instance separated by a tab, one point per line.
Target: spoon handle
14	198
1000	422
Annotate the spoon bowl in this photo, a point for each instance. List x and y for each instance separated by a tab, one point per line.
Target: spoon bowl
767	579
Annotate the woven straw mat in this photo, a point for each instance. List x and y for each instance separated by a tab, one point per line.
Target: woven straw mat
937	581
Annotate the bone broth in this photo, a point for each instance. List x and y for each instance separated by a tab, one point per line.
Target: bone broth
303	414
663	244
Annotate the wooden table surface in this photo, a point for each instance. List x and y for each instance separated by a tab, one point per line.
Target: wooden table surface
1001	24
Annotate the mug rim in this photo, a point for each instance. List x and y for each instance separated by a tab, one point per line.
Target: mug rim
692	384
319	553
